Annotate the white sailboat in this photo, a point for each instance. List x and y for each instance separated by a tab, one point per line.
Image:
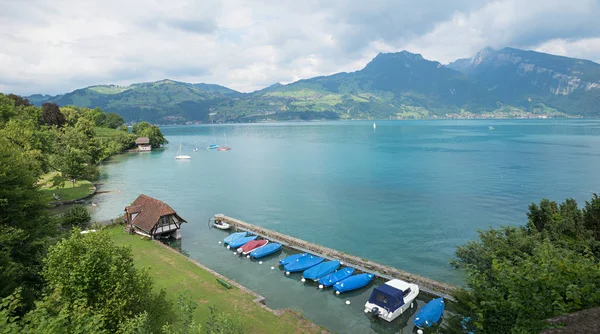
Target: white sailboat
374	126
179	156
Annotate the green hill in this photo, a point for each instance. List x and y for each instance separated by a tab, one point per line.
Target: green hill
504	83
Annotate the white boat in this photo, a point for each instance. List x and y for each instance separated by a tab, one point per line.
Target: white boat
390	300
374	126
179	156
221	225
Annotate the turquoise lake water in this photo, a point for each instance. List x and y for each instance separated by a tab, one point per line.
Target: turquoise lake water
404	195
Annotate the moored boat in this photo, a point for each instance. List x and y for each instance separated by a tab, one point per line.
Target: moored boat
212	147
241	241
352	283
221	225
251	245
430	313
302	263
335	277
320	270
265	250
291	258
234	236
390	300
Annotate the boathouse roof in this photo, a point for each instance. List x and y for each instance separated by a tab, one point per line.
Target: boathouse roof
142	141
149	211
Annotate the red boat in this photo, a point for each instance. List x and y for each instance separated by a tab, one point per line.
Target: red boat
223	148
251	245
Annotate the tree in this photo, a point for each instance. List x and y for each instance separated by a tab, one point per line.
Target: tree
76	216
97	116
591	216
153	133
113	120
141	126
72	163
51	114
19	100
24	223
89	269
519	276
7	109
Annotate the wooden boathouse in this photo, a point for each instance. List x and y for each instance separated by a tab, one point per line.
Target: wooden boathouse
153	218
143	144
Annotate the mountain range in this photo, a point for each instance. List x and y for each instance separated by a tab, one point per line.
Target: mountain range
494	83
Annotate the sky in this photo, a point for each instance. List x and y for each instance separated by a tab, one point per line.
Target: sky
56	46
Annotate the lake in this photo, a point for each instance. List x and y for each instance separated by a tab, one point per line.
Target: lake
405	194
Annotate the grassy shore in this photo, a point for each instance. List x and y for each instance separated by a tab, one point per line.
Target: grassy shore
175	273
68	191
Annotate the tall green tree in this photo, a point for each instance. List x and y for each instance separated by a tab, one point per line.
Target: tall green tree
90	270
591	216
154	134
113	120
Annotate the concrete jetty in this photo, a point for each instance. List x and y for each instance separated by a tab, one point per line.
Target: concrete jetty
426	285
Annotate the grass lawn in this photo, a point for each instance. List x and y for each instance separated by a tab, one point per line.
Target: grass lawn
175	273
68	192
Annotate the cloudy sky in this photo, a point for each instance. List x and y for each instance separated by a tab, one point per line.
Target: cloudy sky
56	46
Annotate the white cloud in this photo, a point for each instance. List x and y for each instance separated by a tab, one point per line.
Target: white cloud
249	45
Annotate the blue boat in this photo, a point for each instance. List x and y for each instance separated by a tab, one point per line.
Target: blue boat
234	236
302	263
352	283
335	277
430	313
265	250
241	241
321	270
291	258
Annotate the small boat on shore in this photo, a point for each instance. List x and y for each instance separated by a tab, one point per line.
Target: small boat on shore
390	300
291	258
241	241
302	263
335	277
234	236
252	245
265	250
352	283
320	270
430	314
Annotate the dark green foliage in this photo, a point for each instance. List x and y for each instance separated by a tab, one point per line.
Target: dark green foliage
76	216
51	114
113	121
520	276
90	270
220	323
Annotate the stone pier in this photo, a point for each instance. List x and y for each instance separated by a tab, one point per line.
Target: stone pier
426	285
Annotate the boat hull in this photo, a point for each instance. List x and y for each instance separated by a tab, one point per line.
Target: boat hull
291	258
241	241
252	245
222	226
303	263
320	270
265	250
335	277
234	236
390	316
353	282
430	314
183	157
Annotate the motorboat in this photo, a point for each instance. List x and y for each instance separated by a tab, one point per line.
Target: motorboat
335	277
234	236
352	283
302	263
213	147
291	258
241	241
252	245
265	250
430	314
391	299
320	270
221	225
